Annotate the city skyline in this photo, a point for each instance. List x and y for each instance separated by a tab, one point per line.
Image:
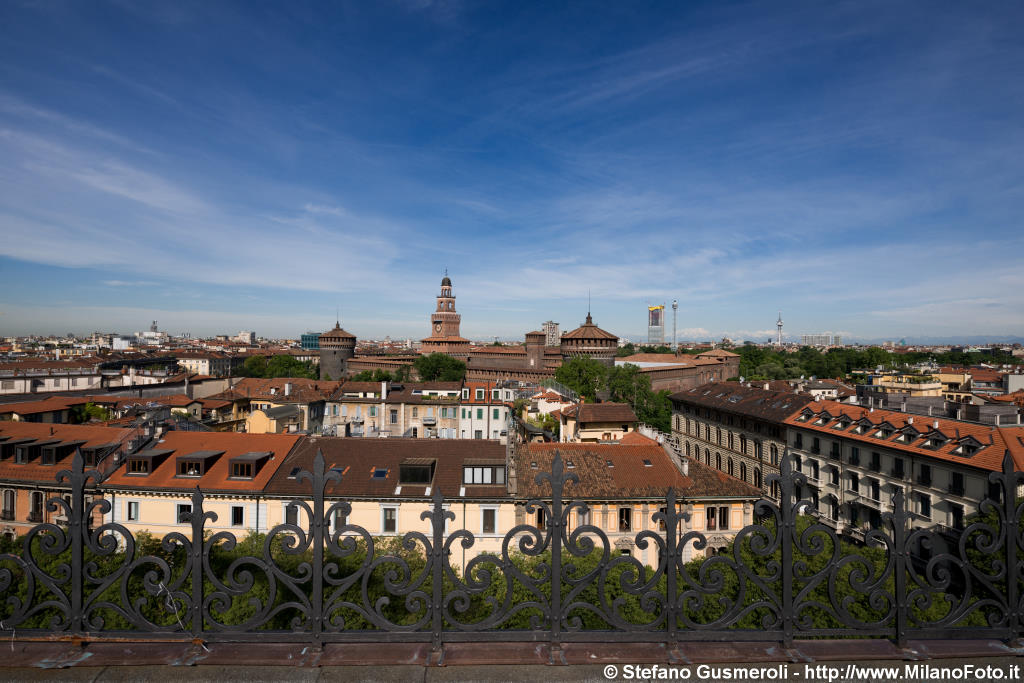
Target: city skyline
232	167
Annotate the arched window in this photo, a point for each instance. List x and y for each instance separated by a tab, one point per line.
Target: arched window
718	435
707	457
775	455
743	471
730	441
757	477
731	472
743	444
718	461
775	489
687	449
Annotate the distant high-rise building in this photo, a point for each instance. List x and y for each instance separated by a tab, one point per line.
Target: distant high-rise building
826	339
551	335
778	324
656	325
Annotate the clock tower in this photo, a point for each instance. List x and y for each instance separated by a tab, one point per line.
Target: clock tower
444	325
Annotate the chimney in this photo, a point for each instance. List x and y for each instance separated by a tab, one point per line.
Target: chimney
910	420
997	419
384	391
929	411
287	388
935	424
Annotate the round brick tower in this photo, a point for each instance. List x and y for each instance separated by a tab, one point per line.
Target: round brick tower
336	347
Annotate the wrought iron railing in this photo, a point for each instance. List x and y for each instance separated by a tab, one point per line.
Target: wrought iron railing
784	578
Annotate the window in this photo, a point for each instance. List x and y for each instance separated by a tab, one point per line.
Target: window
855	456
414	474
730	466
394	417
479	413
479	394
478	434
465	397
956	483
138	467
541	518
242	470
380	473
757	478
237	515
723	518
833	477
816	445
486	474
495	395
897	467
373	411
340	518
956	516
291	514
415	411
389	520
49	456
873	489
799	442
583	517
924	505
774	455
854	482
876	462
9	504
494	416
924	475
625	519
488	521
133	510
184	513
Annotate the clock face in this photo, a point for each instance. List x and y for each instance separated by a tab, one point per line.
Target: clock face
437	327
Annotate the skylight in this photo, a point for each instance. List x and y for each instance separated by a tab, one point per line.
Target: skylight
380	473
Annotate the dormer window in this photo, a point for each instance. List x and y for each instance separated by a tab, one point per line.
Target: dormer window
248	465
242	470
190	468
138	466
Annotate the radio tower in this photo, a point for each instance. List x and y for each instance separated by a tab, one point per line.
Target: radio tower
778	340
675	310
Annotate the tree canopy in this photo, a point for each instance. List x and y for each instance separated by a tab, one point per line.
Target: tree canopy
439	367
279	366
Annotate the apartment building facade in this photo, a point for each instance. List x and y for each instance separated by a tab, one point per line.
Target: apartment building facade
735	429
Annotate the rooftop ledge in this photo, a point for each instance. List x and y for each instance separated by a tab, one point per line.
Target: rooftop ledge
484	661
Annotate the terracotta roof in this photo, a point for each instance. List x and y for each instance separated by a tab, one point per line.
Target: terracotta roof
600	412
718	353
735	398
358	459
217	477
629	475
336	333
46	405
588	330
82	436
995	441
302	390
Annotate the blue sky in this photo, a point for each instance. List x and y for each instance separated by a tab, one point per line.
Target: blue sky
219	167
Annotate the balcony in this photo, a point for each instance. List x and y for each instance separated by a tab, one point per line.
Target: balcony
865	498
429	421
35	517
955	489
7	515
898	473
